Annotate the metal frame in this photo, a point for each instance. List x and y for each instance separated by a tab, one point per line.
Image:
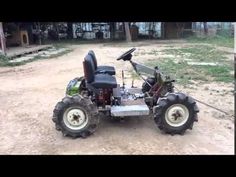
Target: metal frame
139	68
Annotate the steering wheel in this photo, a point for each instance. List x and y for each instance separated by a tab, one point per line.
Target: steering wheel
127	55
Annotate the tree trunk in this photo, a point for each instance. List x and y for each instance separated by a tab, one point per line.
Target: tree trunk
40	35
127	32
205	28
234	49
194	26
2	39
235	38
163	30
55	27
112	30
70	30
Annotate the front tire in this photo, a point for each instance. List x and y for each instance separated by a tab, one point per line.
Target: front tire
76	116
175	113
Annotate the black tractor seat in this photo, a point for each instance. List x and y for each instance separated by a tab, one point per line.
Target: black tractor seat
101	69
104	81
97	80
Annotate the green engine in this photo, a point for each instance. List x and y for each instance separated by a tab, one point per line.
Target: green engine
74	86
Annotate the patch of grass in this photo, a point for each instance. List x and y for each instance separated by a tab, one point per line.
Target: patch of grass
4	61
183	72
143	52
219	40
218	73
174	70
58	45
53	55
198	53
170	46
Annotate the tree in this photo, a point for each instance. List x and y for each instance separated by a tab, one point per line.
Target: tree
234	48
205	28
70	30
127	32
180	29
112	30
2	39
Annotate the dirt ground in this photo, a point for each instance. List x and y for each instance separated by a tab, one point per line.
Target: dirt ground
29	93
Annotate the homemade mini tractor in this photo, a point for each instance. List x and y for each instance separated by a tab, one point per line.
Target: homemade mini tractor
97	93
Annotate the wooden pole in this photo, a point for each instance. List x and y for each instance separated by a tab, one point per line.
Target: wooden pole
40	35
205	28
162	30
127	32
2	39
234	49
234	38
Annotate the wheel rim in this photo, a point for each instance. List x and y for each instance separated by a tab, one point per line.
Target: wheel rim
75	118
177	115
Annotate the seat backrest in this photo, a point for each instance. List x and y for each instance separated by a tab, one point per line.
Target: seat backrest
88	68
91	52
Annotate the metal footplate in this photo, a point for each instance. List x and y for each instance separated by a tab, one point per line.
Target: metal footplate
129	110
132	103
